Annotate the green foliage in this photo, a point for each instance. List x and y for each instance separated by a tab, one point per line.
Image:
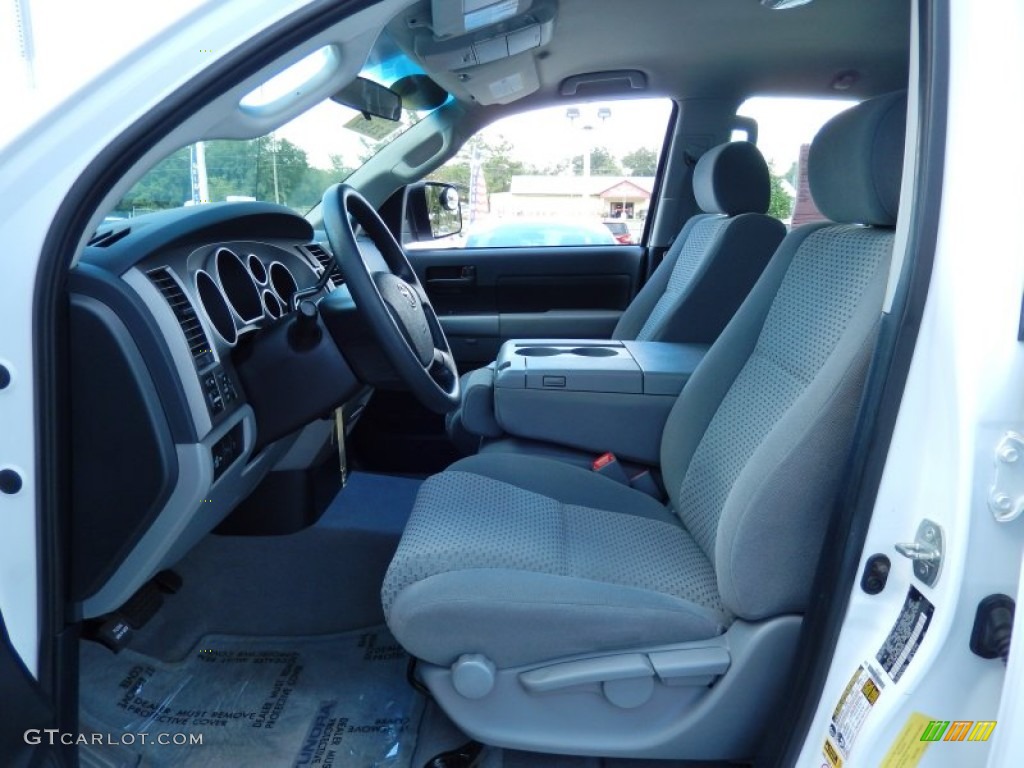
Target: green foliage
641	162
496	162
781	205
602	163
168	185
243	168
453	173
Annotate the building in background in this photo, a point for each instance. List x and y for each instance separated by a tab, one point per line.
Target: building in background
600	197
804	210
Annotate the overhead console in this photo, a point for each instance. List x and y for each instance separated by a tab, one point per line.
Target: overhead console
487	44
597	396
450	18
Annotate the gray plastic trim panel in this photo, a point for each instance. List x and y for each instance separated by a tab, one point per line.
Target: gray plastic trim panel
721	722
196	505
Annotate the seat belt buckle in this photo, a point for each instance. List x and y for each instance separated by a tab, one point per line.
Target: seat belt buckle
607	464
644	482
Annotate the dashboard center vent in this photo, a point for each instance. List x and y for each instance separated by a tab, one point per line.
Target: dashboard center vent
109	237
198	342
326	261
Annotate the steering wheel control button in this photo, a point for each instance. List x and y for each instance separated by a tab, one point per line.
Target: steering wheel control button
10	481
473	675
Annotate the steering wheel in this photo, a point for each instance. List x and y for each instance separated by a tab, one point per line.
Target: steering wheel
393	302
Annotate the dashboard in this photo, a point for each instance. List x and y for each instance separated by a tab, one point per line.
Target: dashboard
177	394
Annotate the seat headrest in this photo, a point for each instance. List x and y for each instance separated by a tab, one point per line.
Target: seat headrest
855	164
732	178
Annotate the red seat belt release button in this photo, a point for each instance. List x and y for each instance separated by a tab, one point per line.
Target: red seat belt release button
608	465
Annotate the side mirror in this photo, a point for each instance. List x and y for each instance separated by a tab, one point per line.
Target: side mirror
433	210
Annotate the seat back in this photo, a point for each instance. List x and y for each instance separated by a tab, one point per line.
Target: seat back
715	259
753	450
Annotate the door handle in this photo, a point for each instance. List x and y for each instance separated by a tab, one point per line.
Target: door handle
451	277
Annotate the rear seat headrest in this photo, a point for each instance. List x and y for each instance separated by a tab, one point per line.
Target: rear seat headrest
855	164
731	179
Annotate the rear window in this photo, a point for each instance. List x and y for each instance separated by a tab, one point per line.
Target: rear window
785	129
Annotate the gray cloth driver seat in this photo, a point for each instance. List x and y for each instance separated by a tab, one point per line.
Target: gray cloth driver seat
554	609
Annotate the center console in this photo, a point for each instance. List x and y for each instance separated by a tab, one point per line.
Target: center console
593	395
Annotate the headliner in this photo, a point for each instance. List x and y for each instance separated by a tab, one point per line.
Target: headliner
719	48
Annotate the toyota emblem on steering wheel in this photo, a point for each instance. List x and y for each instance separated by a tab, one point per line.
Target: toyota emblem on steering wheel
408	294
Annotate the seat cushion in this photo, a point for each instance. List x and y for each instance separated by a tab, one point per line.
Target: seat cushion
489	567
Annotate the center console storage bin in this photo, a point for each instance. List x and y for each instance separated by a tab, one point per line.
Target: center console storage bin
593	395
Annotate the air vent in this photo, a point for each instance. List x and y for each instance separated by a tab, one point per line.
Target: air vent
111	236
326	261
198	343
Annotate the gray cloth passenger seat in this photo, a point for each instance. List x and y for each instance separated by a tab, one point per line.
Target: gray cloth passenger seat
520	569
705	276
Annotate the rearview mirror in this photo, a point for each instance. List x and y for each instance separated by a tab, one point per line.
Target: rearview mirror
433	210
370	98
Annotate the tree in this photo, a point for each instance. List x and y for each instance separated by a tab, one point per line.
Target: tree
602	163
339	169
792	175
496	162
641	162
167	185
310	188
498	165
781	204
265	168
456	173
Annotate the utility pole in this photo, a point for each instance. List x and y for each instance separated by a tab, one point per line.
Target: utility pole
26	44
273	162
200	184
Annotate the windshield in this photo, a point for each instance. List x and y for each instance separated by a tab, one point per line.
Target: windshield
292	165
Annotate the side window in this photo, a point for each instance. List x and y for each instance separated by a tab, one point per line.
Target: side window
783	131
578	175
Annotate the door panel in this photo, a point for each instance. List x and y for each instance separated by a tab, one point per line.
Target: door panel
485	296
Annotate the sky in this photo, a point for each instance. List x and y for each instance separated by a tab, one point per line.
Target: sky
783	125
74	41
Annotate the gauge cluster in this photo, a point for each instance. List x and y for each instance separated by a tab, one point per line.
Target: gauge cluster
239	288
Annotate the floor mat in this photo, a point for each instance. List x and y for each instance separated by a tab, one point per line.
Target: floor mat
333	701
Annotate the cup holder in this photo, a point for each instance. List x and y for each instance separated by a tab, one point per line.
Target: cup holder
538	351
579	351
593	351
